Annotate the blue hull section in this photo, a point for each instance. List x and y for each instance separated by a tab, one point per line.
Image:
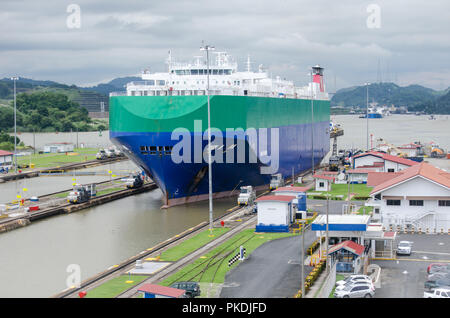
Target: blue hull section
187	179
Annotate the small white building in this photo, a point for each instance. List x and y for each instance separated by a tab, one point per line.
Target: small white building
358	175
275	213
6	159
381	162
323	183
419	197
411	150
59	147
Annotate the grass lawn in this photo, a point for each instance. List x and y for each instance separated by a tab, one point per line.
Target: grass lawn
177	252
343	189
368	210
115	286
54	159
218	268
338	278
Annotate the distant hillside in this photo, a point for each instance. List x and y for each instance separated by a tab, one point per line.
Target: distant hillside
115	85
386	94
441	105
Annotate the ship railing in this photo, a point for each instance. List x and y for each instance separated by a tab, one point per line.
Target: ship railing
118	93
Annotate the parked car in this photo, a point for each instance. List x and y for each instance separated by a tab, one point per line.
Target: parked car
437	293
438	267
439	275
354	283
439	283
358	291
353	278
404	248
192	288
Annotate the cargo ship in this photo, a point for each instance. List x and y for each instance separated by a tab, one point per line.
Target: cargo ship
152	117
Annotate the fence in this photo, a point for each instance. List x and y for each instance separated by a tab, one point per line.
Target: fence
328	284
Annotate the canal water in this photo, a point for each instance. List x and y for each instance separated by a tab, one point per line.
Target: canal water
34	259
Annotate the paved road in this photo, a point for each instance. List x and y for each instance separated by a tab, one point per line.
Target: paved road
405	277
272	271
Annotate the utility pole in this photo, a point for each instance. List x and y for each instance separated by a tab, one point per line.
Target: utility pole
367	113
326	240
312	123
208	48
15	124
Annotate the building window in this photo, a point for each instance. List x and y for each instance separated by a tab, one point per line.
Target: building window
391	170
444	203
321	184
416	202
393	202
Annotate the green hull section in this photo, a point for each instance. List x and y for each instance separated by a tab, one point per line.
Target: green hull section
166	113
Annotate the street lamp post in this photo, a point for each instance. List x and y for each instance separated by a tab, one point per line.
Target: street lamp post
15	124
208	48
312	124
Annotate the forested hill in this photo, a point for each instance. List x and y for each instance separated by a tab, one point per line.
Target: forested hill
412	96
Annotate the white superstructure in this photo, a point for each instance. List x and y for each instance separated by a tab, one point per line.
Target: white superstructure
191	79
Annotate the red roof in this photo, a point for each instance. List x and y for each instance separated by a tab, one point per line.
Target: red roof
162	290
318	176
293	189
5	153
283	198
375	178
350	246
422	169
388	157
359	170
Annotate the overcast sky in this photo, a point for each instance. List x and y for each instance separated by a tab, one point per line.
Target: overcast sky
407	42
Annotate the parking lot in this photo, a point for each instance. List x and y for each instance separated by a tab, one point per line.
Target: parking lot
405	276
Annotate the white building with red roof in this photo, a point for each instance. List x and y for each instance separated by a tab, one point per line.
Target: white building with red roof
6	159
417	197
323	182
275	213
381	162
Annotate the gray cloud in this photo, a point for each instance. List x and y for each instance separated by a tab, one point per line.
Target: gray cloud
119	38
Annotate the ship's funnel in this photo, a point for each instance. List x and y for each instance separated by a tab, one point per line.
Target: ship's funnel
318	76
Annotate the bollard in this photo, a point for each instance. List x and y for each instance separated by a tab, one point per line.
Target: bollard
434	231
420	230
428	231
405	230
442	230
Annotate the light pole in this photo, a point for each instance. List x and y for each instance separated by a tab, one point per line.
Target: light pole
312	123
15	124
367	113
208	48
